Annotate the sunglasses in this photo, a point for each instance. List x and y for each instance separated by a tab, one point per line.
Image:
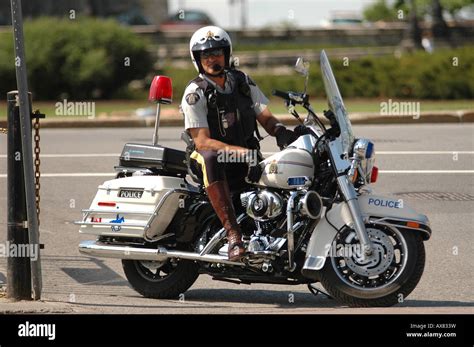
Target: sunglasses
214	53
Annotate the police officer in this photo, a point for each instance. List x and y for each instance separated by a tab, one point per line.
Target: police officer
221	108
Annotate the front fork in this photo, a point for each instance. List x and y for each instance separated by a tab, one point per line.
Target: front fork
350	196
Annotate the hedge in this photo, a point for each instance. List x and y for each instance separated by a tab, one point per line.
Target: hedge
84	58
419	76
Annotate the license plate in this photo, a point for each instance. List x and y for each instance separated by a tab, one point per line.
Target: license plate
130	193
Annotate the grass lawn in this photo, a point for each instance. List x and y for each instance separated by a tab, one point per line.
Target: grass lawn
101	107
125	107
293	45
373	105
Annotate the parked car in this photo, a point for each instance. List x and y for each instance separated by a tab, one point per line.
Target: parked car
342	18
186	20
133	16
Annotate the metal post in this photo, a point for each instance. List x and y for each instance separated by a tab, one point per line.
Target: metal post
18	268
25	121
157	125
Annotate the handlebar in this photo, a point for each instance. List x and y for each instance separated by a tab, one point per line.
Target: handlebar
294	97
281	94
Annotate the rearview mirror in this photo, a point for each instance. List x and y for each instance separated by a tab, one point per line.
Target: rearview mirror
302	66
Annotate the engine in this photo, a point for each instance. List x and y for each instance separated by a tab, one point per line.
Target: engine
270	212
264	205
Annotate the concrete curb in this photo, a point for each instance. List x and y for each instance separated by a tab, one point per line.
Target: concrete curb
459	116
43	306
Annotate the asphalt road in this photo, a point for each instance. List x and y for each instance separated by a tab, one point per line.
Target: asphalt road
430	158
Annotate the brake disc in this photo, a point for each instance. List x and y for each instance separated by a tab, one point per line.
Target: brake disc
378	261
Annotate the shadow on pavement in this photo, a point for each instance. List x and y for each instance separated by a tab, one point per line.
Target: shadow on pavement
283	299
299	300
432	303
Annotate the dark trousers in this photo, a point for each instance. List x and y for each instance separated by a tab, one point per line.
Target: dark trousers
210	167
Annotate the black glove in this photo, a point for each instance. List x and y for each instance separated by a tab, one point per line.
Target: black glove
329	115
254	173
302	130
255	170
335	130
284	137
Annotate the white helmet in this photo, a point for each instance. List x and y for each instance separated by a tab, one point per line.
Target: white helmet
209	37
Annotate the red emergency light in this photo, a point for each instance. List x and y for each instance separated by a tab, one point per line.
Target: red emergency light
161	90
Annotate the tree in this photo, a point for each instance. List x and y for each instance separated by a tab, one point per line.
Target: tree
413	32
380	11
454	6
440	28
417	9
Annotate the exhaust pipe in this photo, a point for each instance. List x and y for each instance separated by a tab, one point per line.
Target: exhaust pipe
103	250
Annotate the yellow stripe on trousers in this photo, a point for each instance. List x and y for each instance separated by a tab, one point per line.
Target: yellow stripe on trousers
199	158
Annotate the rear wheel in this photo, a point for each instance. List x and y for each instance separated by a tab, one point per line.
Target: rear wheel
385	278
160	280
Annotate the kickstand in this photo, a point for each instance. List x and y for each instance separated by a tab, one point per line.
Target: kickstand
315	291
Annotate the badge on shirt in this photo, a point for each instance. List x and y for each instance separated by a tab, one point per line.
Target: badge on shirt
192	98
228	120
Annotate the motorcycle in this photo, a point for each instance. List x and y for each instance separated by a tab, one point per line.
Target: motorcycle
312	216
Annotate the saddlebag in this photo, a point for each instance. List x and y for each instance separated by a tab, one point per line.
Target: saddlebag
137	206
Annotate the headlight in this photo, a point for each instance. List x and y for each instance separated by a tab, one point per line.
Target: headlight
364	152
366	167
363	149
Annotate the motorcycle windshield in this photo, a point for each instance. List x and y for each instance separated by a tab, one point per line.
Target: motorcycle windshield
336	104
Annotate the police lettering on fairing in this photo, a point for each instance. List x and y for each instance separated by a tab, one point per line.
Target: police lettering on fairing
385	203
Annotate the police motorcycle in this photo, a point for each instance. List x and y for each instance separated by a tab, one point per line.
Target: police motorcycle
312	217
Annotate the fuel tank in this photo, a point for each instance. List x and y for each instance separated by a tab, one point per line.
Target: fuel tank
288	169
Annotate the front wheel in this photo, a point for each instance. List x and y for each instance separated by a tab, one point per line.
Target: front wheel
160	280
383	279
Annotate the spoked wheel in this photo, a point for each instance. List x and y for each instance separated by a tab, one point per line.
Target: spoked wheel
160	280
385	277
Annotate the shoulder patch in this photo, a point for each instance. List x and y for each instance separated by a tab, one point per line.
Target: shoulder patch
192	98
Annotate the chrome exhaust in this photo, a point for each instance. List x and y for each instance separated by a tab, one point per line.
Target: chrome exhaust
103	250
